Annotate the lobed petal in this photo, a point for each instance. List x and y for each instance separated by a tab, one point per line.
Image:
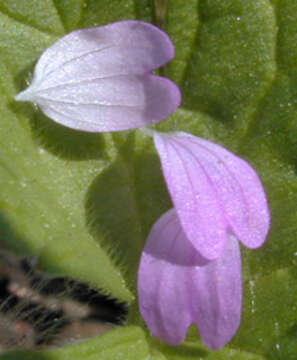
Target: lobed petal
193	194
98	79
125	47
239	188
177	287
236	187
217	296
121	103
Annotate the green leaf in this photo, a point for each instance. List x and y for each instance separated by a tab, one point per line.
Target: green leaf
196	352
84	203
122	344
47	170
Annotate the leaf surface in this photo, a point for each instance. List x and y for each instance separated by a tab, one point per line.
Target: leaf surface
83	204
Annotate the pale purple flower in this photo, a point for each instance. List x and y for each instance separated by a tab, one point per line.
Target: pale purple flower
190	269
213	191
177	287
99	79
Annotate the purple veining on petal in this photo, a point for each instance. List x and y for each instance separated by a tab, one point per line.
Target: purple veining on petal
99	79
140	100
123	47
177	287
240	189
193	195
231	183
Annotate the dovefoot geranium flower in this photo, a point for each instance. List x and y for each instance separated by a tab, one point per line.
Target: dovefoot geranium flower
99	79
213	191
177	287
190	269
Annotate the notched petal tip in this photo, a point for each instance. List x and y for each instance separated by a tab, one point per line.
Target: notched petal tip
159	38
177	287
162	98
99	79
219	312
162	280
241	193
208	181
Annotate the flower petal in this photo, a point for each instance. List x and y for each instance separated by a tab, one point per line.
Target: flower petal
98	79
240	190
121	103
125	47
193	194
217	296
177	287
234	183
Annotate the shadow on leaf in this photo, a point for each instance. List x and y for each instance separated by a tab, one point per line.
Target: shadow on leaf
125	200
183	351
231	61
198	95
274	124
62	141
9	238
26	355
144	10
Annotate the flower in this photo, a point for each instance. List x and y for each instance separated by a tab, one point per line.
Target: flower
99	79
214	193
177	287
190	269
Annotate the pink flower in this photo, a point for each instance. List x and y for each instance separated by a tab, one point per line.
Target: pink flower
99	79
190	269
214	193
178	287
